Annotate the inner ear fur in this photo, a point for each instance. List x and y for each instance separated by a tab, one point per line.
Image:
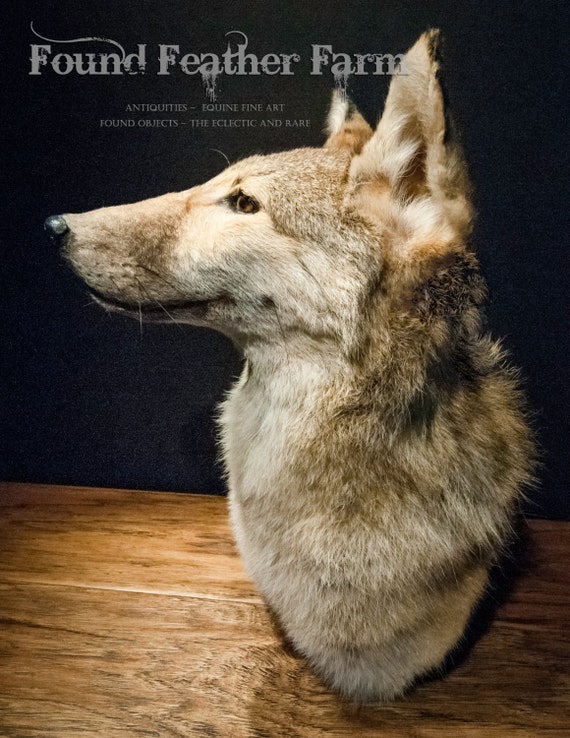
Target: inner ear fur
413	149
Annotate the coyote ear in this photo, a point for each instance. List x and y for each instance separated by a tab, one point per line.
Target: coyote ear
346	127
412	149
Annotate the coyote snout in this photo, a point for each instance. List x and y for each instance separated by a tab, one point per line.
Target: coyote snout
375	445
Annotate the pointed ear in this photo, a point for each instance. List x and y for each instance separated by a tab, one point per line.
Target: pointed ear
346	128
413	150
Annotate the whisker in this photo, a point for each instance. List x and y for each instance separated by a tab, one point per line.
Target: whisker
166	281
222	153
157	302
140	321
172	318
161	277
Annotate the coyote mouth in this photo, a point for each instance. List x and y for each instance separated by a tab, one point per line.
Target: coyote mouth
154	309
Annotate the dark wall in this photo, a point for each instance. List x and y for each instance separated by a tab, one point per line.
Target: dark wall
90	399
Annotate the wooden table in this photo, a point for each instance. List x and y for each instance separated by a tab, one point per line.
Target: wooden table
129	614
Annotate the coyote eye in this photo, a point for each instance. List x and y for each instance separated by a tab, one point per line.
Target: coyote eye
244	203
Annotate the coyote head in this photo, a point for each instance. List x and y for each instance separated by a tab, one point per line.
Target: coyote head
313	245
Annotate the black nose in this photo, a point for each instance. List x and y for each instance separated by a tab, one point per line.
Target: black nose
56	227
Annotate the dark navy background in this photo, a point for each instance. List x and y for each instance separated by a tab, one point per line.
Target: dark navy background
89	400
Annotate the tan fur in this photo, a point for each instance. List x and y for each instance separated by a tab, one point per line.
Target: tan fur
374	445
346	127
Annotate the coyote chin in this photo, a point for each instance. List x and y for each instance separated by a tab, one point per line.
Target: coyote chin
375	445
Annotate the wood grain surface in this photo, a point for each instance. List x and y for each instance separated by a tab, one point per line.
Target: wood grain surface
129	614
